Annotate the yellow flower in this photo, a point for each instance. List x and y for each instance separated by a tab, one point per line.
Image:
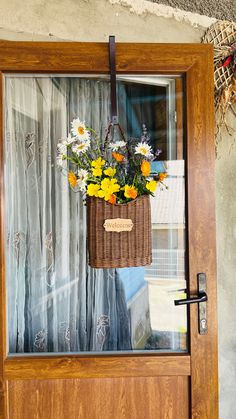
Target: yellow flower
130	192
108	188
98	163
110	171
97	171
97	166
145	168
151	185
92	189
72	179
118	157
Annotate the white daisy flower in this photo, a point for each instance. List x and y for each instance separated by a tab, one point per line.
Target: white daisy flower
82	185
118	144
144	149
61	161
63	144
79	130
81	147
62	147
82	179
70	139
82	174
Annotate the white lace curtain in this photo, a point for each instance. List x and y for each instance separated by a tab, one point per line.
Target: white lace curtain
56	303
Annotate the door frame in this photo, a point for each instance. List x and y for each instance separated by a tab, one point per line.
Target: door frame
195	63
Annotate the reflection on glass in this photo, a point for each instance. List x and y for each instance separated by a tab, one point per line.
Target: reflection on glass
150	292
56	303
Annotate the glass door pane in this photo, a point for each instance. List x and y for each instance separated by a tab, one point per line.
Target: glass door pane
56	302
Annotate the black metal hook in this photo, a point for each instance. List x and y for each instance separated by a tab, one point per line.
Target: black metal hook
112	61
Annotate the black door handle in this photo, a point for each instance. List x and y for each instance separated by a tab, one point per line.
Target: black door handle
202	296
201	299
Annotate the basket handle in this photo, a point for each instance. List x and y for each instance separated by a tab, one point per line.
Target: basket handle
114	114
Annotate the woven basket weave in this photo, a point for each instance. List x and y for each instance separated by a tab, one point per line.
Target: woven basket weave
222	35
124	249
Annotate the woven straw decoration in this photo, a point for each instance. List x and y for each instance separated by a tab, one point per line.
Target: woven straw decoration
222	35
123	249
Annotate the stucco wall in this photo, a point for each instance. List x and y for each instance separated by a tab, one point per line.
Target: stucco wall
226	249
225	9
95	20
143	21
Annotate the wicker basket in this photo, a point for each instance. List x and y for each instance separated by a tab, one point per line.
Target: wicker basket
111	249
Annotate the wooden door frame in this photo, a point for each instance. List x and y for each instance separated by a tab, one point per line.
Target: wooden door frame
195	63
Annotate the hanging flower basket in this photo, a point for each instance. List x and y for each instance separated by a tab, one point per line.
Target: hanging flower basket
119	235
116	179
115	176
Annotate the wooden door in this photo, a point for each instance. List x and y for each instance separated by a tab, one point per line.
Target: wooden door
139	385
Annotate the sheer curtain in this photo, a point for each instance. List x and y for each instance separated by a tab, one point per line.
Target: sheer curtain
56	303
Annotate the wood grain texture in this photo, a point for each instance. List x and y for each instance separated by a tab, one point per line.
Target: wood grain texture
3	394
75	57
201	233
87	367
179	116
120	398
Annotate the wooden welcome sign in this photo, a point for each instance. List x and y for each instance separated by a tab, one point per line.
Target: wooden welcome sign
118	224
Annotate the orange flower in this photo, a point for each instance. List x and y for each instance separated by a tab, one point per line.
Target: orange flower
72	179
130	192
162	176
118	157
112	199
145	168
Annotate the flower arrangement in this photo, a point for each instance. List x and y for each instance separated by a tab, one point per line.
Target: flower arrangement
117	172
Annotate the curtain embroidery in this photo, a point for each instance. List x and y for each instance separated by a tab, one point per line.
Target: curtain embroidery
49	247
29	148
103	326
18	240
40	341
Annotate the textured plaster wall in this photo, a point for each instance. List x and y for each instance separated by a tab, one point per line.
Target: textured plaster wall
226	249
144	21
94	20
225	9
